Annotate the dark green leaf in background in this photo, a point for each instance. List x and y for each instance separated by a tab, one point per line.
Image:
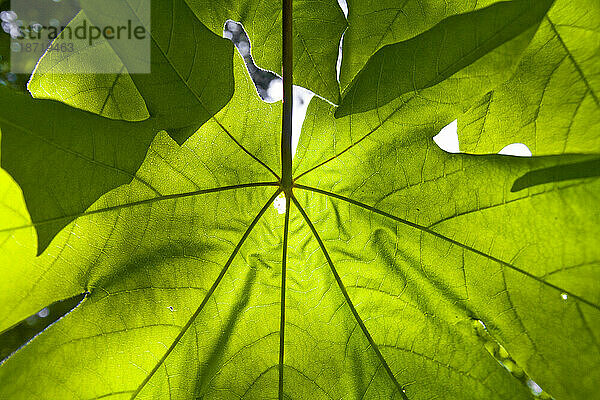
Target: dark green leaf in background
318	27
442	51
375	24
82	156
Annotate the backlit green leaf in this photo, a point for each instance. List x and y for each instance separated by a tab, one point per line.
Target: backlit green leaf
83	156
551	104
318	27
442	51
375	24
388	269
458	238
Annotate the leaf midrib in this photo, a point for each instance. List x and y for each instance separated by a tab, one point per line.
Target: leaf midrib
340	283
77	154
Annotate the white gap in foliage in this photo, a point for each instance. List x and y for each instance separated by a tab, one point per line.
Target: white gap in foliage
280	204
268	84
516	149
344	6
447	140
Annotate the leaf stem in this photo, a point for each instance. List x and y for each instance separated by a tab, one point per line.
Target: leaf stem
286	126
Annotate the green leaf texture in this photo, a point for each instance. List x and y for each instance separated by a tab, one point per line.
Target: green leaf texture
373	282
318	28
190	81
552	103
65	159
442	51
375	24
422	236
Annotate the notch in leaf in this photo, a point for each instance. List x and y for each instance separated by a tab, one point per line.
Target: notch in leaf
64	159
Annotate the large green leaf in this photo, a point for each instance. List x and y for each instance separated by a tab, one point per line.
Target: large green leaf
374	282
190	80
552	102
375	24
442	51
318	28
65	159
181	170
457	237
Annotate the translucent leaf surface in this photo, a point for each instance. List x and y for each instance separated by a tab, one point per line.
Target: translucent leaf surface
442	51
385	269
190	81
552	102
375	24
318	27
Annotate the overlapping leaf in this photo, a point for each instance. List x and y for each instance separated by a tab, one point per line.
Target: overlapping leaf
552	102
82	156
134	276
456	238
373	25
444	50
